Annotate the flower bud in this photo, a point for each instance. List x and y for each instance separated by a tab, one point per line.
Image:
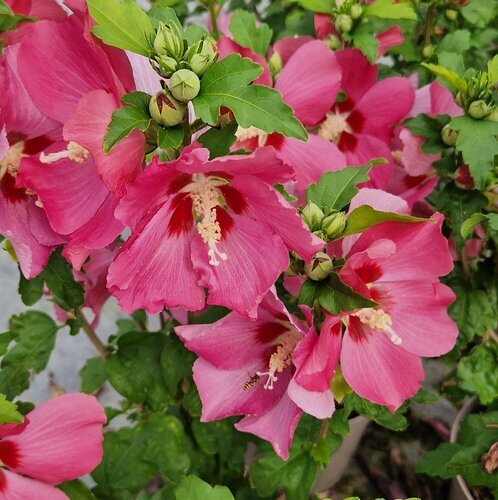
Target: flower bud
312	216
201	56
166	110
493	116
169	40
333	42
451	14
427	51
320	267
275	64
460	99
448	135
184	85
343	23
334	224
356	11
479	109
167	64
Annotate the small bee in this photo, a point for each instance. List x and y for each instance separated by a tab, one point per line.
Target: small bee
251	382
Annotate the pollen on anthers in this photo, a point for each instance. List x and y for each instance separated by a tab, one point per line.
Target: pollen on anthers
12	160
379	320
333	126
74	152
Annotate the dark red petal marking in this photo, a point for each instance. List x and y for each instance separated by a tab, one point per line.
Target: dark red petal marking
275	140
268	332
36	145
178	183
10	191
369	272
347	142
9	454
356	121
220	174
383	297
345	106
224	220
182	219
357	330
234	199
3	481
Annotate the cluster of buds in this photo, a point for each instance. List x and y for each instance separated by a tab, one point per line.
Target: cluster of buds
478	98
346	13
327	227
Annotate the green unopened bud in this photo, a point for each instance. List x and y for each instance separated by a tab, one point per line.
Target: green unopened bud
168	65
460	99
493	116
356	11
275	64
333	225
333	42
169	40
451	14
320	267
201	56
166	110
184	85
343	23
427	51
312	216
479	109
448	135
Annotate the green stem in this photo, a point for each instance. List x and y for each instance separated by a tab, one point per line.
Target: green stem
92	336
213	13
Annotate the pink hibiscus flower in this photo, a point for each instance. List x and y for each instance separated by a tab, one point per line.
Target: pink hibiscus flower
268	380
309	83
59	441
382	346
217	224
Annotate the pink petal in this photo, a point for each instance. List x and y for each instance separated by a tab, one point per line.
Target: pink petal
414	160
411	189
419	314
16	487
442	101
384	105
277	425
310	81
378	370
289	44
379	200
222	391
58	67
63	440
310	160
256	257
226	46
389	38
319	404
47	9
323	25
358	75
4	143
87	127
146	79
423	101
265	205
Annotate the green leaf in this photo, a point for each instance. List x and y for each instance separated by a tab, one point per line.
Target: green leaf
457	41
246	33
31	291
449	76
430	129
321	6
8	412
219	140
171	137
227	83
470	224
35	338
493	69
365	40
76	490
128	118
365	216
478	143
159	13
134	370
433	463
193	488
175	362
386	9
477	373
194	33
333	295
379	414
479	12
124	25
493	221
59	279
334	190
93	375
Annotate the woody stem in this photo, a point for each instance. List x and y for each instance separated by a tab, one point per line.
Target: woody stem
92	336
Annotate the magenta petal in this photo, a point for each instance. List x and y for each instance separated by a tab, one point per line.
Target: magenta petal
256	257
310	159
442	101
265	205
58	67
384	105
87	127
310	81
319	404
358	75
63	440
289	44
323	25
414	160
4	143
153	269
16	487
223	395
277	425
420	317
378	370
389	38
